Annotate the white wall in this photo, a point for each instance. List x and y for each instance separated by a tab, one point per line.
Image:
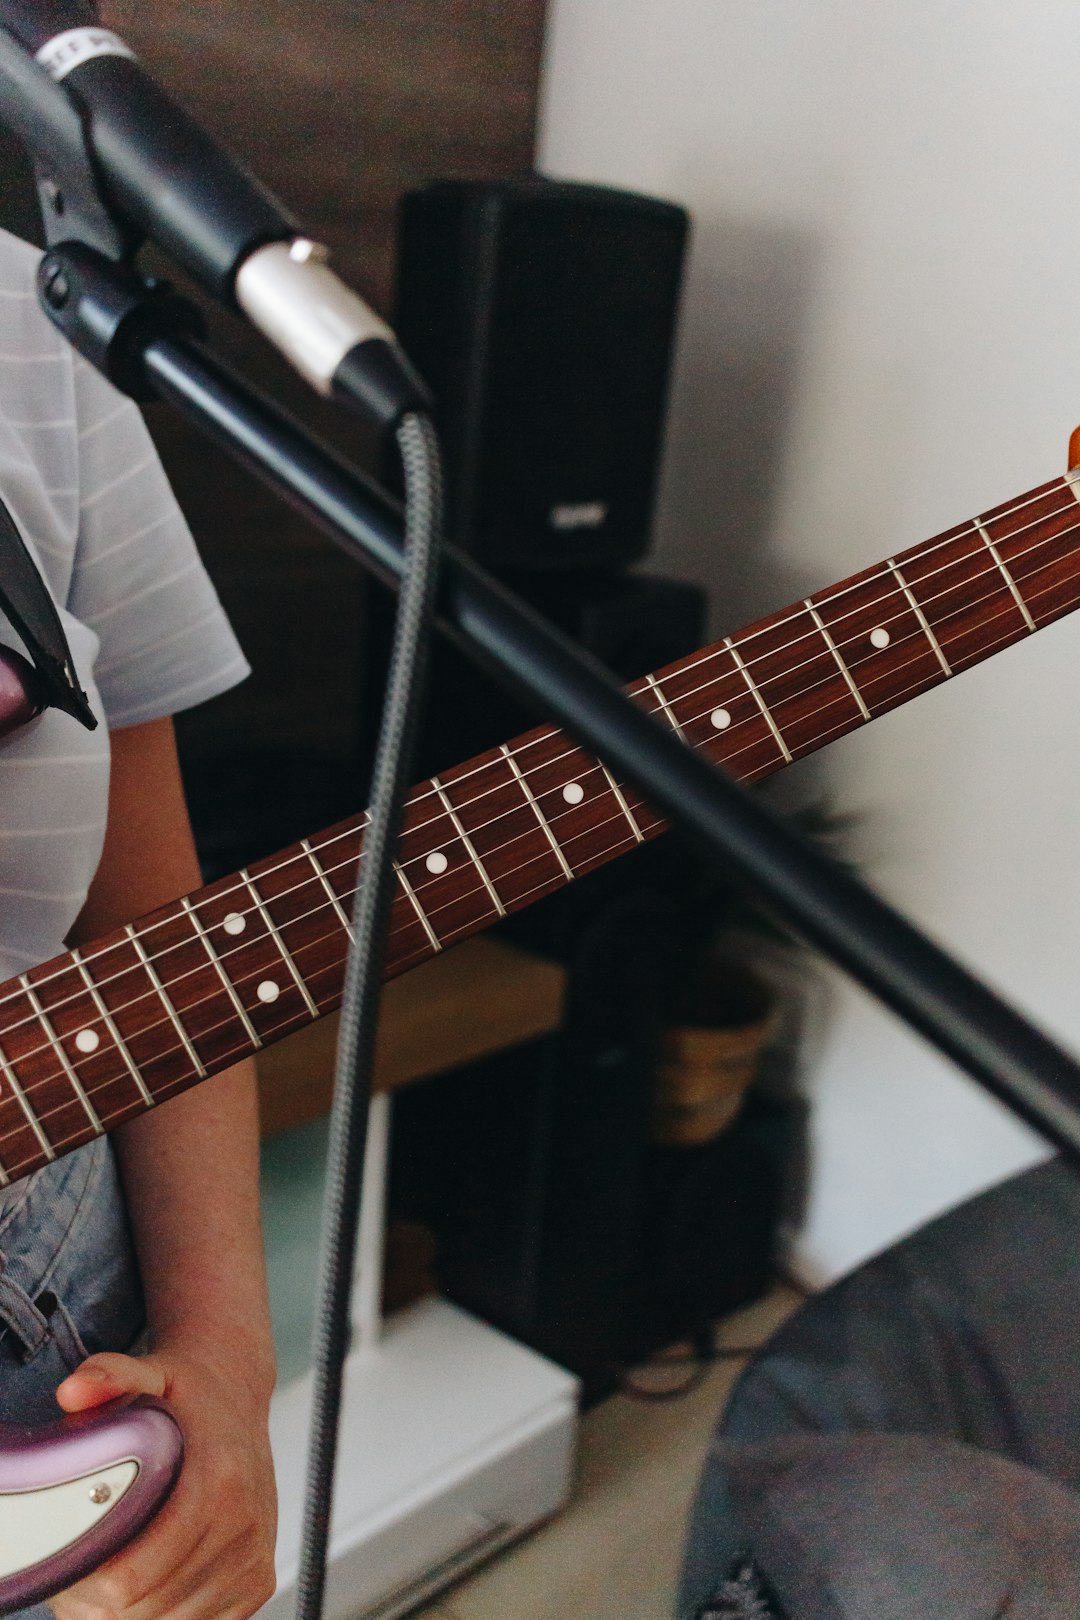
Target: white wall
886	273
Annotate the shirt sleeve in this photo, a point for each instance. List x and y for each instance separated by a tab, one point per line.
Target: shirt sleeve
138	582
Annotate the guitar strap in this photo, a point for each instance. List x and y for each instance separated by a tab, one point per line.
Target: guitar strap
25	599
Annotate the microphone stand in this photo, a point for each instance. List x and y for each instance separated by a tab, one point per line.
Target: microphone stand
141	337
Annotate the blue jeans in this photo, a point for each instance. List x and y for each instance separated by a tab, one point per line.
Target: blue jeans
69	1284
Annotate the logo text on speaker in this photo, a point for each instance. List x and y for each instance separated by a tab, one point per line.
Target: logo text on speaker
582	515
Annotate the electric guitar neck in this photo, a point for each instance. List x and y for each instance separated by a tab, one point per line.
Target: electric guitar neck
99	1035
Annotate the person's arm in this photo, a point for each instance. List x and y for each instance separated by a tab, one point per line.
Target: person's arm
190	1171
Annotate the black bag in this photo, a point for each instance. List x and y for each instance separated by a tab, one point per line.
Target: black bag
907	1447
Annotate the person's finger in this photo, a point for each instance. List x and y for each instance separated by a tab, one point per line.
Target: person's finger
105	1377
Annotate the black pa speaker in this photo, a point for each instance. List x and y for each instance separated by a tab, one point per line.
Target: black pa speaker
542	314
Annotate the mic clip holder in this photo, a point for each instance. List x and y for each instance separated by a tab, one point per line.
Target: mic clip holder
249	254
109	312
41	114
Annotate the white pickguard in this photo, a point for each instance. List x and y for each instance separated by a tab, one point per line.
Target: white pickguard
35	1525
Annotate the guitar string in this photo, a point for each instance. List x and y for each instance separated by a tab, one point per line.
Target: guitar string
107	1119
639	689
91	1090
465	929
310	881
903	560
430	912
591	768
844	647
813	633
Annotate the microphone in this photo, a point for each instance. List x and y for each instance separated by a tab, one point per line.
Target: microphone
160	175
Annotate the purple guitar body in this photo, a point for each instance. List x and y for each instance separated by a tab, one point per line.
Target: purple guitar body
74	1492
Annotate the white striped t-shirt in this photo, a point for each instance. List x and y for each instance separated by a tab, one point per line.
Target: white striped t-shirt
80	477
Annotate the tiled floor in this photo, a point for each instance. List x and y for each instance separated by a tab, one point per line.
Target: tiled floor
613	1553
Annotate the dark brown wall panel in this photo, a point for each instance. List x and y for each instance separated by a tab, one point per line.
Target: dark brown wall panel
339	108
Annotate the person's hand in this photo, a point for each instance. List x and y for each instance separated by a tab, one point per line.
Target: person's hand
209	1554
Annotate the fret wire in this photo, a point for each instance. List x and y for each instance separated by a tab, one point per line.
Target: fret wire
433	938
727	735
844	589
693	716
20	1096
540	816
831	644
938	542
708	686
837	595
208	944
623	806
1067	482
841	592
890	565
609	850
651	681
820	735
121	1045
325	881
1007	577
279	942
966	606
815	740
467	841
921	616
132	934
912	602
762	705
58	1047
919	554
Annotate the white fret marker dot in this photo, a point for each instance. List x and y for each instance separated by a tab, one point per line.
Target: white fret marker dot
721	719
437	863
234	923
268	991
87	1040
880	637
573	793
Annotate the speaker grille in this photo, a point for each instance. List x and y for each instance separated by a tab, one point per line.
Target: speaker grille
543	316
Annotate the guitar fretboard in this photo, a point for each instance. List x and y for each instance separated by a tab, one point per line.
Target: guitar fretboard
97	1036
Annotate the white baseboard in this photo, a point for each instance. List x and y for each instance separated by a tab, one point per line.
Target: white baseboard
455	1440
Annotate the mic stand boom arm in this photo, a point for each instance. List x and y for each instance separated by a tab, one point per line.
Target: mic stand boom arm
112	317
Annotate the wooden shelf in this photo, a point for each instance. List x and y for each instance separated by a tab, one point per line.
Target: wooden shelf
479	998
